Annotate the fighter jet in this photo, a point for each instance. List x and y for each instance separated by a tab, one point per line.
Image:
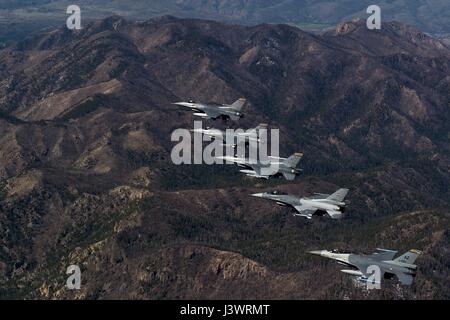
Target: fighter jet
402	267
333	204
244	137
214	111
274	167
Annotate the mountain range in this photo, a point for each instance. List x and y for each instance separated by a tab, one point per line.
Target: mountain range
86	175
19	18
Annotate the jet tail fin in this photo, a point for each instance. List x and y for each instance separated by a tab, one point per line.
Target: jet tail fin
234	118
409	257
239	104
294	159
339	195
261	126
405	279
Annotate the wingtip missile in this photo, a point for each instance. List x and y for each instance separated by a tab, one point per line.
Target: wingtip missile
386	250
317	252
353	272
258	195
183	104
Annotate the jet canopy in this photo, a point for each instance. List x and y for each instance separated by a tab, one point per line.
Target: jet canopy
278	193
338	251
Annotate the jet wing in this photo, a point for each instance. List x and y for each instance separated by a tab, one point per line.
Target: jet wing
319	196
257	169
305	211
211	113
363	268
191	106
239	161
383	255
281	202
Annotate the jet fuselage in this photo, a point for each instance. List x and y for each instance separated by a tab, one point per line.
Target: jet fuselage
361	263
319	204
211	111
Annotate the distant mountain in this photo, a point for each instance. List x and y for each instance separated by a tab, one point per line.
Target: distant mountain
86	175
431	16
22	17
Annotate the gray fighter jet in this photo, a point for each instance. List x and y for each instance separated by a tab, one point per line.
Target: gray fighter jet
274	167
402	267
244	137
214	111
333	204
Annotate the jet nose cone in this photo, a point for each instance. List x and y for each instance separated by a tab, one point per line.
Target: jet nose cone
258	195
317	252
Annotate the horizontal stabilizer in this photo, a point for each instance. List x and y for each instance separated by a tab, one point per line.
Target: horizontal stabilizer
335	214
404	278
289	176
